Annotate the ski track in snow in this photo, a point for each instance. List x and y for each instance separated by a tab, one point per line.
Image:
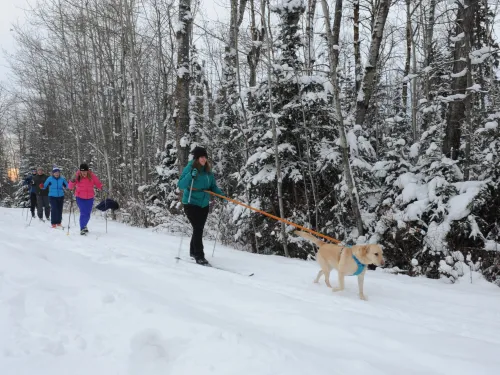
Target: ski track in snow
119	303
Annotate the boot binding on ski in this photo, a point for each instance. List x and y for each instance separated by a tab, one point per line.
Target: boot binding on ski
202	261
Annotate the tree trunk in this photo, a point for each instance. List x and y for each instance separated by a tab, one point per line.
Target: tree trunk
253	57
414	102
366	90
428	53
461	61
182	87
333	52
409	36
309	45
357	51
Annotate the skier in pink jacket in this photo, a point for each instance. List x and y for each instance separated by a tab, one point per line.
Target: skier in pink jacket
84	182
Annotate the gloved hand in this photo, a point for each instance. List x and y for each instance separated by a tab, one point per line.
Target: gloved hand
194	172
40	186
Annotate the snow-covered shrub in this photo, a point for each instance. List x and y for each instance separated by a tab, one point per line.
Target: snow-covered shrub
478	234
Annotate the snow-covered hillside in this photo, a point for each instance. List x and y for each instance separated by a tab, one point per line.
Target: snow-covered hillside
118	303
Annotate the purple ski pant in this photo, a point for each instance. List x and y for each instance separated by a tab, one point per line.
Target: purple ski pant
85	206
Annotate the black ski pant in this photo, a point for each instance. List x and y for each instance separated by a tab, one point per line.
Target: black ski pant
32	203
42	202
56	206
197	217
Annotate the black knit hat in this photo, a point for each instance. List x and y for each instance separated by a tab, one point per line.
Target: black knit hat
84	167
198	152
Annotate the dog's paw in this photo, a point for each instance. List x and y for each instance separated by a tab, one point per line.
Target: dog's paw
363	297
316	282
337	289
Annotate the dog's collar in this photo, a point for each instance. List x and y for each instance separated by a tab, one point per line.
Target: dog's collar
361	266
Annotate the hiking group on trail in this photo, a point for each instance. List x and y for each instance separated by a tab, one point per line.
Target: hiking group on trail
47	194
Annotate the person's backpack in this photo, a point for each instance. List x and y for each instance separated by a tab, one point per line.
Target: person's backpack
108	204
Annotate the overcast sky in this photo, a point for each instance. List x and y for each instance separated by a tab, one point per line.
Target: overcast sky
11	11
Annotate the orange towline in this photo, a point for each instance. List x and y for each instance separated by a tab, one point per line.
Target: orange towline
274	217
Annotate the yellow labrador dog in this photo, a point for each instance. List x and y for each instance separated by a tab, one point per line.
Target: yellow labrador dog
346	260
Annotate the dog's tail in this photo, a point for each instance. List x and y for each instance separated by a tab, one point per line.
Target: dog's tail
309	237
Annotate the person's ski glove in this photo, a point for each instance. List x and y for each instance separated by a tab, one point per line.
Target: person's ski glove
194	172
40	186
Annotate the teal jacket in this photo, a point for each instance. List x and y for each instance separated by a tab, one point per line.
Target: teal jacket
203	181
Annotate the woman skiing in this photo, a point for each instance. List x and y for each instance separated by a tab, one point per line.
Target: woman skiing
56	184
85	181
196	177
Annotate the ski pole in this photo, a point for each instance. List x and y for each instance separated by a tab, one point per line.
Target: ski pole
27	214
106	210
190	190
69	216
178	257
217	234
182	237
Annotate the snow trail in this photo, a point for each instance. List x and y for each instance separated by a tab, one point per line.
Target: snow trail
119	303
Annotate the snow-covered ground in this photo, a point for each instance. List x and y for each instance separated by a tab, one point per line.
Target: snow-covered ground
118	303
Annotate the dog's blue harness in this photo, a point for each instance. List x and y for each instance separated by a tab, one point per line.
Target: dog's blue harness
361	266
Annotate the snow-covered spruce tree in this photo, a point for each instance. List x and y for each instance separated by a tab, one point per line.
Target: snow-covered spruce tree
20	194
162	196
7	188
472	236
477	235
436	86
414	211
21	197
424	230
395	163
298	104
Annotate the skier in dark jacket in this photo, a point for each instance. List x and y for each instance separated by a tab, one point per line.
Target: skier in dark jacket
197	175
28	181
42	196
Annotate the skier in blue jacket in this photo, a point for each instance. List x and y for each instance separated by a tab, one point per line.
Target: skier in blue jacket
56	184
197	175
